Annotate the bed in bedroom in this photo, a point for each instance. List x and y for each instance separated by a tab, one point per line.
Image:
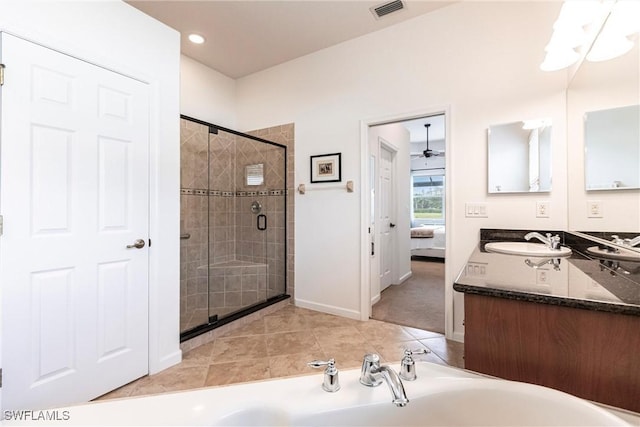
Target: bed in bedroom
428	240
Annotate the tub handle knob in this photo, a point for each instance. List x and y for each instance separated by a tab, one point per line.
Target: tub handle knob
330	382
408	365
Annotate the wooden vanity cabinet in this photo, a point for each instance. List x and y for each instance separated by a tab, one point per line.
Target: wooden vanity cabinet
591	354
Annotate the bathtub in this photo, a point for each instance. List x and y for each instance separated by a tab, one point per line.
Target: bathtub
440	396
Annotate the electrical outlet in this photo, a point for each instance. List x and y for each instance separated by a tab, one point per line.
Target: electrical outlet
541	277
542	209
594	209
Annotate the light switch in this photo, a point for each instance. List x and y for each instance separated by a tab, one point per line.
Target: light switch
476	210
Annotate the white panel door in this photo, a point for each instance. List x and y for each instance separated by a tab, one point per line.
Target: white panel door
74	194
385	222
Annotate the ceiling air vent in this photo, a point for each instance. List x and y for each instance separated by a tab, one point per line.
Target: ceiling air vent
387	8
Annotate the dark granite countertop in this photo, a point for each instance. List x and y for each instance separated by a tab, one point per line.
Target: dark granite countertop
581	280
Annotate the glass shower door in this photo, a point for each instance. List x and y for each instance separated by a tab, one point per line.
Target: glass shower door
232	225
247	217
194	208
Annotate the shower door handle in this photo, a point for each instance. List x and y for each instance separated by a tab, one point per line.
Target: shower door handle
138	244
261	222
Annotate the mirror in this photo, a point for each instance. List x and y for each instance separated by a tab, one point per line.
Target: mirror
597	90
612	148
520	157
254	174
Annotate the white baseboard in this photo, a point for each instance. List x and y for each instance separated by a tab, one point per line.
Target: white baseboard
330	309
405	277
375	299
458	336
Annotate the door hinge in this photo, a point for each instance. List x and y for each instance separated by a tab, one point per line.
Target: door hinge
1	225
1	74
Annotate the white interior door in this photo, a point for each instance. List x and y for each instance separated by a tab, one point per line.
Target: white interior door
385	222
74	193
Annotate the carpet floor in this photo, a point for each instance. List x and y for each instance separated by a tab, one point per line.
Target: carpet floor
418	302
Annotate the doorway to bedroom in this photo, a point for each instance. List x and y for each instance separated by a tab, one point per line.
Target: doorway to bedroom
408	220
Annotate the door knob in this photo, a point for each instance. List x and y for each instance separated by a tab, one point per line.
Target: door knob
138	244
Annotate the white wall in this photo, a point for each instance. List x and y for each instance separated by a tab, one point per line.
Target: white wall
480	58
206	94
114	35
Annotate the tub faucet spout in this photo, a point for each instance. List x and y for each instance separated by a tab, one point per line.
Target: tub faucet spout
373	374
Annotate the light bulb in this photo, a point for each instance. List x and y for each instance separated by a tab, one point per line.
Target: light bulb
558	59
196	38
609	44
625	17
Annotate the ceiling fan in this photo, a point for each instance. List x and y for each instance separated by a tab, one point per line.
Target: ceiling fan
428	153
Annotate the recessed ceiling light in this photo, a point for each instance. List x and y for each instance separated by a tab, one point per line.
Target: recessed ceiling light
196	38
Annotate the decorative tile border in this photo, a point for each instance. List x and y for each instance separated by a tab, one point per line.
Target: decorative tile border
221	193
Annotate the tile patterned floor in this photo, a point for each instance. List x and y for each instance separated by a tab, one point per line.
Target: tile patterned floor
280	345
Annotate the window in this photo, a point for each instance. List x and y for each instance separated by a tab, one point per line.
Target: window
427	199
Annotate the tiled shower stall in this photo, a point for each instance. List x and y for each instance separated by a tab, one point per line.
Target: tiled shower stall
233	221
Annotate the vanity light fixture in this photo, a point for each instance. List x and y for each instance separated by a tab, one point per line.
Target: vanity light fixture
613	41
557	59
608	24
196	38
609	45
569	33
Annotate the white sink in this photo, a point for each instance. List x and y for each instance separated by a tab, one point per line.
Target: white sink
527	249
621	254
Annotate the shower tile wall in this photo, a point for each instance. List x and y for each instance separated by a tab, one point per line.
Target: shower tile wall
194	221
222	241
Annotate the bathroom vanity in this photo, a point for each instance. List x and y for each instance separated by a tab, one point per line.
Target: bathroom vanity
568	323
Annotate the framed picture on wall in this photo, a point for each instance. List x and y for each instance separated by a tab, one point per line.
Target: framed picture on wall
326	168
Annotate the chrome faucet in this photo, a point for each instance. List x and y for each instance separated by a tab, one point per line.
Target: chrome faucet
408	365
330	382
552	242
372	374
616	239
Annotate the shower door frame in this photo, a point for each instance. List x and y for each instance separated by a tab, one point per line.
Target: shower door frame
214	322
